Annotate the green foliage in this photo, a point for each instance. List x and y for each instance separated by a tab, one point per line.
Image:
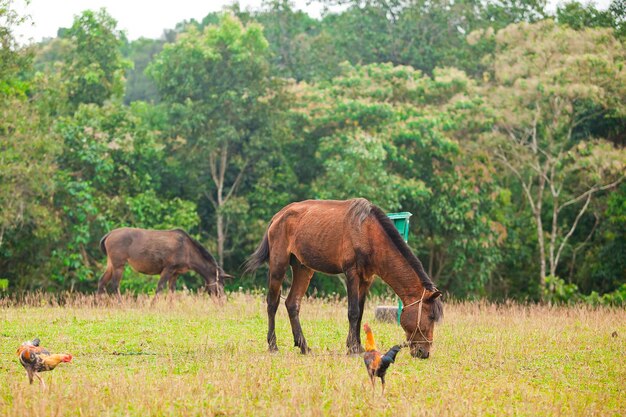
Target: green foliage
138	85
389	134
580	16
109	176
358	171
603	266
299	48
148	211
94	66
542	70
558	292
28	220
501	132
226	115
13	60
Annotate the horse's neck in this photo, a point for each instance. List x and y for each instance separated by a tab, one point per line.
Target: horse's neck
400	276
199	264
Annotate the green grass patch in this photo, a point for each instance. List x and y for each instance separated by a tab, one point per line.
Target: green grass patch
188	355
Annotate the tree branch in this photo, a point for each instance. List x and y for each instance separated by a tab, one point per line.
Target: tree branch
213	168
525	187
592	190
237	181
211	199
582	245
571	230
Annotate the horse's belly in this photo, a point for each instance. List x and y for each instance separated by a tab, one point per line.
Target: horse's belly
319	260
324	266
148	268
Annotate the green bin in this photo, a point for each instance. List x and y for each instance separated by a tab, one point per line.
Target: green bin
401	221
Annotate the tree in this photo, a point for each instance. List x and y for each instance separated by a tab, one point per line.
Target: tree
224	107
548	81
580	16
27	159
12	59
603	267
27	156
396	137
298	48
421	33
110	174
94	67
138	85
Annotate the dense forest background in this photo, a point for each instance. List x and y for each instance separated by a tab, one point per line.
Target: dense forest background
499	125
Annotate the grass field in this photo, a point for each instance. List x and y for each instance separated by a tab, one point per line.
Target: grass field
190	356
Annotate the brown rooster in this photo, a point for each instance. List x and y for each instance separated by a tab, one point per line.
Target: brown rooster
35	358
375	362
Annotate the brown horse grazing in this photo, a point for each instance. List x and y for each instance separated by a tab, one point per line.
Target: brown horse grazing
356	238
164	252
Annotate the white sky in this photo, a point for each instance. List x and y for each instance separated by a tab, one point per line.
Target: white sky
140	18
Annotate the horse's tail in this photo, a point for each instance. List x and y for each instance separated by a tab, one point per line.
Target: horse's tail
102	246
259	257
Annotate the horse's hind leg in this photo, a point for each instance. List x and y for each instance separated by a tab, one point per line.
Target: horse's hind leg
105	278
116	278
278	267
301	279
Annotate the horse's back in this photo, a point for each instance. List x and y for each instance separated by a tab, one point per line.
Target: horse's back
330	211
133	243
322	234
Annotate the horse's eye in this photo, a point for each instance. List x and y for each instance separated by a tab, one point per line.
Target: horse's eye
431	317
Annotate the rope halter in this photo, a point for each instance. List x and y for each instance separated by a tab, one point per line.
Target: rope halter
419	318
217	279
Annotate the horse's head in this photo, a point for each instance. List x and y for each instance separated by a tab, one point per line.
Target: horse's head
418	321
215	282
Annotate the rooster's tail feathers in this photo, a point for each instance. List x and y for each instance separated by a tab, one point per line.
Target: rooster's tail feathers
390	356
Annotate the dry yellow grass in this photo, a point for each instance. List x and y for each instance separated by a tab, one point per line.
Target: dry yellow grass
189	356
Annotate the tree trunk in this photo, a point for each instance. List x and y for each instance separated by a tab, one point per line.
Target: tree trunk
540	234
220	237
542	251
218	163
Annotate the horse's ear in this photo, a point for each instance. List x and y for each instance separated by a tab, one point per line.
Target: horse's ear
435	295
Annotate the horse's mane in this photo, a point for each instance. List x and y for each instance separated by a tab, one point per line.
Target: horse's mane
359	210
400	244
205	253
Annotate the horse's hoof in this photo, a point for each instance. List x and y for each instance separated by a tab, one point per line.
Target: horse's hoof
305	351
355	350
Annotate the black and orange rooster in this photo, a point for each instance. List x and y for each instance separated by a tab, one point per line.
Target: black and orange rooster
375	362
35	358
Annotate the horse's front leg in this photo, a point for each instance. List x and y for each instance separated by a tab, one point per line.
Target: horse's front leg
172	283
354	313
301	279
364	287
166	275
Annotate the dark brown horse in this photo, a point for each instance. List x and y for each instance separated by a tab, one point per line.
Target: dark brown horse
152	252
356	238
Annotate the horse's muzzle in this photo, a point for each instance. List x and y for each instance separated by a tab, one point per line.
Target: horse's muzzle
420	352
